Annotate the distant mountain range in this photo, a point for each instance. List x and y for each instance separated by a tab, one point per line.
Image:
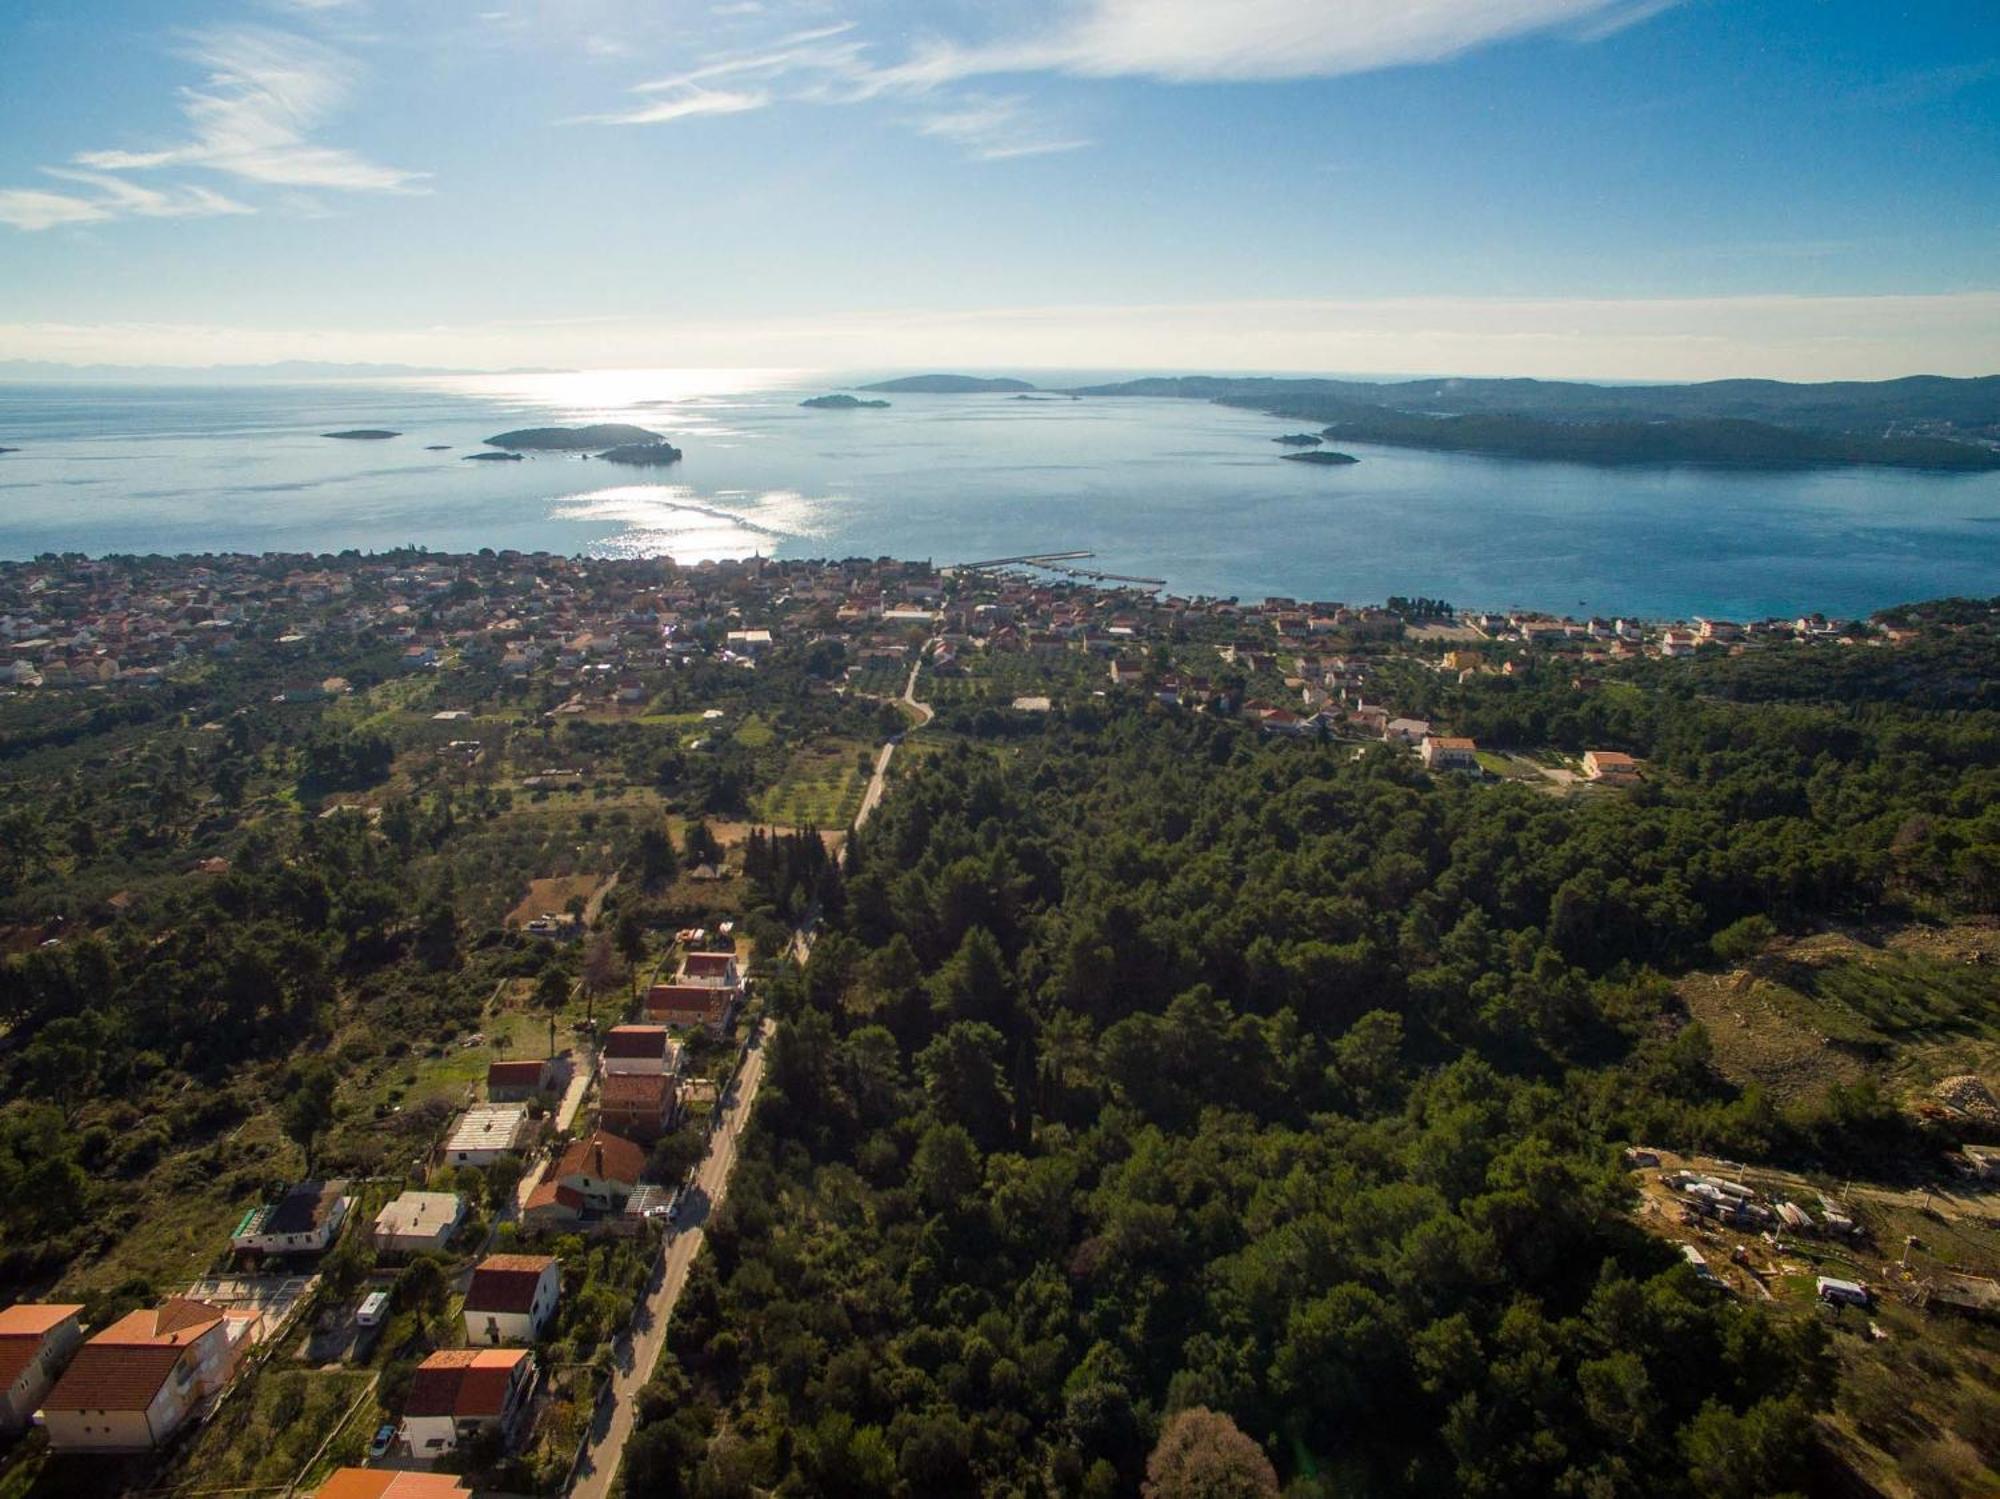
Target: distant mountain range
286	371
1921	422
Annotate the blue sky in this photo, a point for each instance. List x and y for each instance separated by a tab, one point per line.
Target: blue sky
1808	188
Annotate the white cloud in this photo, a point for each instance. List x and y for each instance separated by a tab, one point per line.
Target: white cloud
1186	41
996	129
189	201
687	104
826	69
1181	41
32	209
252	118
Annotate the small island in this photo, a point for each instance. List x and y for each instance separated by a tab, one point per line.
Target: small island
9	450
491	458
437	447
643	454
1299	440
1326	457
947	385
842	403
572	439
363	434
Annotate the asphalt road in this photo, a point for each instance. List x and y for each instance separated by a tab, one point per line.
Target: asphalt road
637	1354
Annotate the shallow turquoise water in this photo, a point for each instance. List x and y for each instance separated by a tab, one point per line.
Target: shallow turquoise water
1192	493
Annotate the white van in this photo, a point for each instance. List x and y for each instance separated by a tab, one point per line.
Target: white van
374	1307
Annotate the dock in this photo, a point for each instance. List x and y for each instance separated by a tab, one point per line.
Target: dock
1052	562
1035	559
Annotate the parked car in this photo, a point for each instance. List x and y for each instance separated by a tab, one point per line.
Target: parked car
384	1439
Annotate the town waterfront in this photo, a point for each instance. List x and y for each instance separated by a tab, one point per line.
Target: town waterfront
1193	493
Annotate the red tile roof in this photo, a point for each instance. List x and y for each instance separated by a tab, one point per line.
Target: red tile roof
22	1331
514	1074
464	1383
35	1318
175	1321
387	1483
683	1000
637	1090
114	1377
506	1282
604	1156
549	1193
708	964
637	1041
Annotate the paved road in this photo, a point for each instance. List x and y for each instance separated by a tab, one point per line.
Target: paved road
636	1355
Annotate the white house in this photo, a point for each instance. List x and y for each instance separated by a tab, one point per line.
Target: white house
1443	752
418	1221
511	1298
1610	767
485	1134
306	1220
132	1386
640	1050
457	1392
36	1341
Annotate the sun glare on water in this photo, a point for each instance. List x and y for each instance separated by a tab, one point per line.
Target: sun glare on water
672	520
601	395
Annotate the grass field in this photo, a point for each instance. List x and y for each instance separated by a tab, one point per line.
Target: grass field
753	733
821	787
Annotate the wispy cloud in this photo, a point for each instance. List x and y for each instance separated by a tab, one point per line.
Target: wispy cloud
108	197
1186	41
33	209
253	118
684	105
997	129
1179	41
827	64
184	201
266	93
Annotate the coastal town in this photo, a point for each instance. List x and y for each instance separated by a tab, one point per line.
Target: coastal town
446	1272
598	638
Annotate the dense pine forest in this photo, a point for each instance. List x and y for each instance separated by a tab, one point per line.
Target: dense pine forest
1162	1101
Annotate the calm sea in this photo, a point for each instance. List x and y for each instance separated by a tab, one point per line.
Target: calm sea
1180	490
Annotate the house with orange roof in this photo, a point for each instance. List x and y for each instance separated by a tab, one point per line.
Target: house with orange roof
594	1178
133	1385
1610	767
458	1392
638	1105
511	1298
36	1342
704	992
514	1079
390	1483
1449	752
